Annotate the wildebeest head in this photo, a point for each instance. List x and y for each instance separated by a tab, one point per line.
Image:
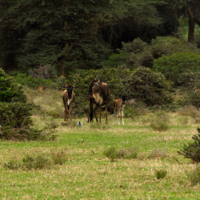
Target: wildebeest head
93	82
123	99
69	90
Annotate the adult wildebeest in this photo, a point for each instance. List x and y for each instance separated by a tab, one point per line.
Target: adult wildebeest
68	99
99	94
119	104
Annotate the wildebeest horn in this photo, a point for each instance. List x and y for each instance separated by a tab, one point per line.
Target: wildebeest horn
96	78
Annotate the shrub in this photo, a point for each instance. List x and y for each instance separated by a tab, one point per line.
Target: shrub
172	66
59	157
113	154
136	46
15	112
41	161
194	98
44	72
148	86
157	153
188	78
115	77
189	111
160	121
160	174
192	150
135	110
13	164
34	83
194	175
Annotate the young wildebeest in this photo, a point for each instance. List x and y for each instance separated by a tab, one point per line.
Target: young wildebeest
99	94
119	104
68	99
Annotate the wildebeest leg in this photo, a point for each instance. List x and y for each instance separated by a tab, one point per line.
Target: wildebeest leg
106	113
100	113
123	116
118	116
66	112
95	112
90	115
114	116
70	111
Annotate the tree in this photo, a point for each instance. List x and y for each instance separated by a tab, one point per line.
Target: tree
192	8
38	32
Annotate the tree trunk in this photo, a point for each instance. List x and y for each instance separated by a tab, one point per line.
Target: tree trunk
62	66
191	33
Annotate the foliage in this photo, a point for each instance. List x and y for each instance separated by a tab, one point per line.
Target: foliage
52	32
192	150
13	164
134	110
177	63
188	79
148	86
115	77
136	53
194	98
160	174
15	112
157	153
160	121
59	157
41	161
44	72
194	175
38	161
189	110
34	83
113	154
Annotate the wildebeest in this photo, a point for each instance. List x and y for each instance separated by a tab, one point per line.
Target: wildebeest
99	94
68	99
119	104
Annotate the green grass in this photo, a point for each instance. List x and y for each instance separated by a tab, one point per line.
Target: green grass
88	173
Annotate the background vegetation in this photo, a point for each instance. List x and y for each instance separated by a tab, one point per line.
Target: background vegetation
146	50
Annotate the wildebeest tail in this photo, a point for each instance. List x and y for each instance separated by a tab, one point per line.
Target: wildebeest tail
91	114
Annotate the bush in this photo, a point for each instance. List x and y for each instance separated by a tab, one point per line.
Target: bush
15	112
189	111
192	150
160	174
188	79
59	157
157	153
34	83
115	77
194	175
41	161
13	164
44	72
172	66
160	121
148	86
113	154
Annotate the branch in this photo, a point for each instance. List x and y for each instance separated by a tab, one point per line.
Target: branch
191	15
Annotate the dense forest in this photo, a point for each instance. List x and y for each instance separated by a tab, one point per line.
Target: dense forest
83	34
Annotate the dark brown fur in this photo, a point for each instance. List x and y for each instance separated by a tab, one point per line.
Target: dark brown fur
100	95
68	99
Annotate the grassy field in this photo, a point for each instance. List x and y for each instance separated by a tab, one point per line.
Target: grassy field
88	173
